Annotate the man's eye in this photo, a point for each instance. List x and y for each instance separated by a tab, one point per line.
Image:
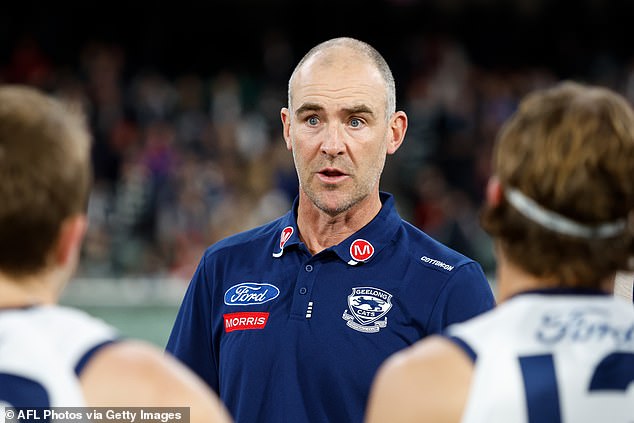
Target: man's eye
313	120
355	123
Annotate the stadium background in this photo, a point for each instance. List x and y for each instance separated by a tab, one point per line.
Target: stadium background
184	100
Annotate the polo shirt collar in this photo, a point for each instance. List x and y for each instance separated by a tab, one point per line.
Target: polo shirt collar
360	247
287	233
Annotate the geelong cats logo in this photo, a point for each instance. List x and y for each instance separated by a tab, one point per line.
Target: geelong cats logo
367	305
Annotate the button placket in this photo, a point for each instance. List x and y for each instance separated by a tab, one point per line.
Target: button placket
305	280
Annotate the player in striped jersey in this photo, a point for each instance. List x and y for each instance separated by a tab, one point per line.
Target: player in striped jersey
53	356
559	347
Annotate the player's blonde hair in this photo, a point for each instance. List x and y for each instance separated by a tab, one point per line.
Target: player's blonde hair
569	150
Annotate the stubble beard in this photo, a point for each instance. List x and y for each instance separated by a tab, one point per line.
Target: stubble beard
340	206
318	197
347	198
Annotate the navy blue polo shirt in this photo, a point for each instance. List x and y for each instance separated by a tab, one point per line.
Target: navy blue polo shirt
285	336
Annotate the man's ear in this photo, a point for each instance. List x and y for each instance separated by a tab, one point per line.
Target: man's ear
398	128
70	238
285	114
494	192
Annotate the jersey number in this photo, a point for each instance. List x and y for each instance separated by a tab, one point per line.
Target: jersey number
614	373
20	392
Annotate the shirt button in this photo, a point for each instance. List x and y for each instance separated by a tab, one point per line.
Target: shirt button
309	268
303	291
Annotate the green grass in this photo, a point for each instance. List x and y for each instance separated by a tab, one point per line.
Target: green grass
150	323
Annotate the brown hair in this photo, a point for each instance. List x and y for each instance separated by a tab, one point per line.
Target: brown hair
570	149
45	175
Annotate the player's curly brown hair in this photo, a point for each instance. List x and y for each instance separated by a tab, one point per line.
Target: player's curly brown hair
569	148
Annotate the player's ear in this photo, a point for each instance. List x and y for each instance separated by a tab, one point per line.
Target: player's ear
69	241
494	192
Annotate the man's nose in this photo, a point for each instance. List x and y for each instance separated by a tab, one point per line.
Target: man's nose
333	144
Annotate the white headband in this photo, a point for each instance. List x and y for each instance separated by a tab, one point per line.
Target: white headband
558	223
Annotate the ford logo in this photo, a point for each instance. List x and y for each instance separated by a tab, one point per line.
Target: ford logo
250	293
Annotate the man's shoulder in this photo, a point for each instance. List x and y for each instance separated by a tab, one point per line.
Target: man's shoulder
430	252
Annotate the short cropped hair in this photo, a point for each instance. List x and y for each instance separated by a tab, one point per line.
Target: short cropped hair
365	50
570	149
45	175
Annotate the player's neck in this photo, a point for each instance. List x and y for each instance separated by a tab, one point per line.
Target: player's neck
319	230
26	291
513	280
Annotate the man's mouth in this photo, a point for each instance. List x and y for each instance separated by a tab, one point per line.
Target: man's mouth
331	175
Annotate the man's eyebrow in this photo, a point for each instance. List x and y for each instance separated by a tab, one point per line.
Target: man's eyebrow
362	108
313	107
308	107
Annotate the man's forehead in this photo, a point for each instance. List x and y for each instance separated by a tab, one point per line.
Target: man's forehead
345	81
357	99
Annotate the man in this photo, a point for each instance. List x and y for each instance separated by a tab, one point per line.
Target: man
560	346
53	356
289	321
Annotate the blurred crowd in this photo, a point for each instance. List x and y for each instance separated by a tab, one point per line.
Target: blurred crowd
182	161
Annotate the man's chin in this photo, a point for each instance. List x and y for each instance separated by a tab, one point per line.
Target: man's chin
334	205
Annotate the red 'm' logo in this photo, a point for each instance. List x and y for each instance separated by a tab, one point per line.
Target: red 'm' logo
361	250
245	320
286	234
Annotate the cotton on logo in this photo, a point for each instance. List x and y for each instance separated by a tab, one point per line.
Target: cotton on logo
361	250
286	234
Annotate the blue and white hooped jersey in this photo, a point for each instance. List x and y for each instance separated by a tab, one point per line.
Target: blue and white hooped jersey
42	352
551	357
286	336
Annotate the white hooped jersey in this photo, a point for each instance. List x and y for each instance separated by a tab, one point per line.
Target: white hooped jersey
549	358
42	352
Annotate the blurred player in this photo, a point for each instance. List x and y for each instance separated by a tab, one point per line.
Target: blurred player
52	356
559	347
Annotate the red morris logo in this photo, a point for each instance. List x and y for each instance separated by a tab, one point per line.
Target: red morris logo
286	234
361	250
245	321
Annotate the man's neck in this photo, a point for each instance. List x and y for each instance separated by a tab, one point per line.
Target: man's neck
319	230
